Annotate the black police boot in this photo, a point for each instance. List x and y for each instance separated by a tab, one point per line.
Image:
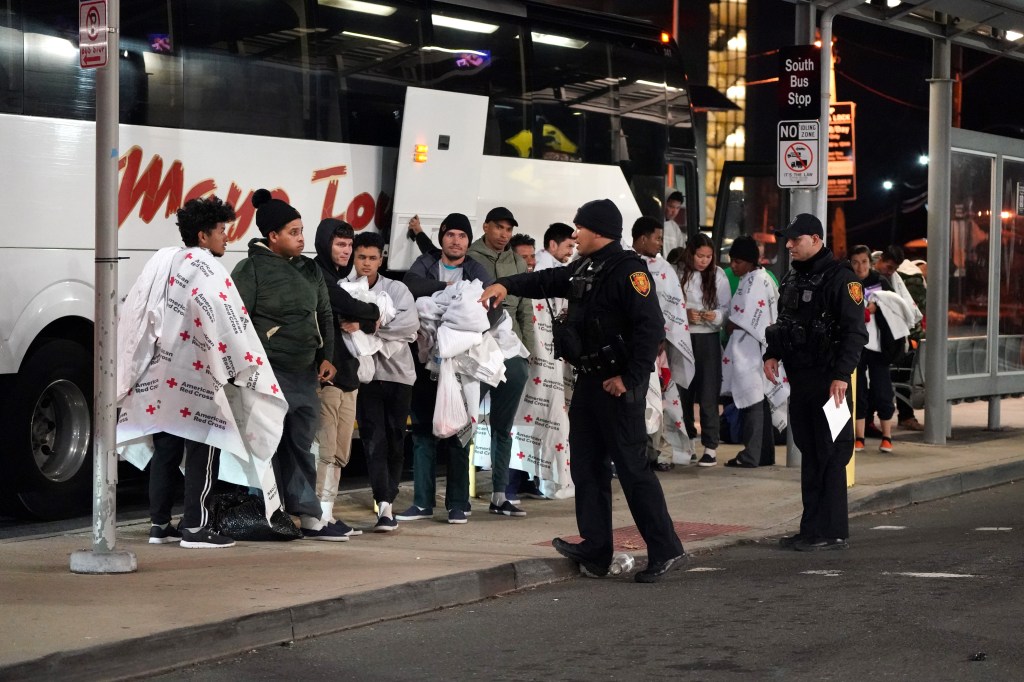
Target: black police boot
653	572
571	551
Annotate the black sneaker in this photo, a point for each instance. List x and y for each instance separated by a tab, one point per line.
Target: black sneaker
822	545
330	533
345	529
653	572
385	524
707	460
506	508
570	551
162	535
204	538
789	541
457	516
415	513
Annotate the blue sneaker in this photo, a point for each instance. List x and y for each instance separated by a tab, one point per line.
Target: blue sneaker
457	516
330	533
414	513
385	524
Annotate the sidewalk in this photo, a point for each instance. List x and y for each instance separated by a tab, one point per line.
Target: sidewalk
211	603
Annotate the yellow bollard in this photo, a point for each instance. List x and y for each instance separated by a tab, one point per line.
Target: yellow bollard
472	474
851	468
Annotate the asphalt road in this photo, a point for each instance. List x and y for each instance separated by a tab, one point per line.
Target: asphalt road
920	593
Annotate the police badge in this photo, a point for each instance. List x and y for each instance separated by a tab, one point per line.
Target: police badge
640	283
856	292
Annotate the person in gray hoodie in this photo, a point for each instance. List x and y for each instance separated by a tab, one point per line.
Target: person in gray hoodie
383	407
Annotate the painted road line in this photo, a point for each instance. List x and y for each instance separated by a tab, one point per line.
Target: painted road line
889	528
910	574
703	569
995	528
828	573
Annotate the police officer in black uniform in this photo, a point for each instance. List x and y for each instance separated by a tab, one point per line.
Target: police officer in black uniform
818	337
610	336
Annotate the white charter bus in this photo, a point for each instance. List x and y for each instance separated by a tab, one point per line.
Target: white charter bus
367	111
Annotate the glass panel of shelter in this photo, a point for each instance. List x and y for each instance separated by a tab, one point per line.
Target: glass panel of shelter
12	58
1011	273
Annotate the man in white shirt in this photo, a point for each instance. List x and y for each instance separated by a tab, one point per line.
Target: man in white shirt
559	245
675	234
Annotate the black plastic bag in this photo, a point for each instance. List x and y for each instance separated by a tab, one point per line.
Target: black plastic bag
243	517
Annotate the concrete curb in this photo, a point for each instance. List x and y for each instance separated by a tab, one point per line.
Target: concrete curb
164	651
905	494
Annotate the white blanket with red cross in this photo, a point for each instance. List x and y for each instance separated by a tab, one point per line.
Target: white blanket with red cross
754	308
677	330
183	333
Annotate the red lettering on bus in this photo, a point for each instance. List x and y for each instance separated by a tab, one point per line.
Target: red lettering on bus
360	211
201	189
382	213
244	210
151	188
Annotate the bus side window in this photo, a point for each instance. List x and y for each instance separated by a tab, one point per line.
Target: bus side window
12	56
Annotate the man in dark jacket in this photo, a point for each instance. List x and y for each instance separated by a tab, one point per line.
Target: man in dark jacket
286	298
333	244
429	273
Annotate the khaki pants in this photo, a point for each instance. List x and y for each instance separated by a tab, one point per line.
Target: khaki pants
334	437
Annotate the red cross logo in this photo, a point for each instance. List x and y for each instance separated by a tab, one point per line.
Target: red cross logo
248	357
195	291
760	304
675	402
184	336
536	380
222	347
528	418
274	388
521	455
559	447
686	327
785	380
259	361
185	412
188	256
743	310
725	360
198	322
566	462
227	282
664	276
679	425
197	364
535	319
736	308
244	311
540	307
171	281
171	382
151	409
223	296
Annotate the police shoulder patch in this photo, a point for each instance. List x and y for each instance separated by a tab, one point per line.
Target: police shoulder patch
856	292
641	283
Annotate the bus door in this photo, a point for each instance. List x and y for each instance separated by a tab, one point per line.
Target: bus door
751	203
440	161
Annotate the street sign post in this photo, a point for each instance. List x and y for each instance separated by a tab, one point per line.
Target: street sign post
92	34
798	154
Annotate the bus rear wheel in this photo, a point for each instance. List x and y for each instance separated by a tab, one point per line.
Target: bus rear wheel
51	427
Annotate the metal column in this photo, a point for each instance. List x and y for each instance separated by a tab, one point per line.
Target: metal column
940	112
102	558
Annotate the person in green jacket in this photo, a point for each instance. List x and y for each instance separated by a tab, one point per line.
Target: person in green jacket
285	296
492	252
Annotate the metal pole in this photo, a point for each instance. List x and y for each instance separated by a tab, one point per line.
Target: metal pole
940	113
102	558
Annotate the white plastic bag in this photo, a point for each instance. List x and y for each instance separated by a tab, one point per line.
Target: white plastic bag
367	368
450	415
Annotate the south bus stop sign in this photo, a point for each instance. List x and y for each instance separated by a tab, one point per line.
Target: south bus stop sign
798	154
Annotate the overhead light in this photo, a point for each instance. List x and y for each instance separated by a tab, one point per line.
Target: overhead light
463	24
361	6
558	41
366	36
663	86
922	160
887	185
1014	36
738	41
453	50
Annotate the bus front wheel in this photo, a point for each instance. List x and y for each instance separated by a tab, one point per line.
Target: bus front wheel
51	430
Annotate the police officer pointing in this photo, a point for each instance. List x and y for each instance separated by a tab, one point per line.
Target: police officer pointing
610	336
818	337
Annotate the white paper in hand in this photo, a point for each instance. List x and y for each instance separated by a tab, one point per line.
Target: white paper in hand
836	416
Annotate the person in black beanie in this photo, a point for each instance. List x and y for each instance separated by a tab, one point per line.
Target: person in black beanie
338	397
611	338
286	298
